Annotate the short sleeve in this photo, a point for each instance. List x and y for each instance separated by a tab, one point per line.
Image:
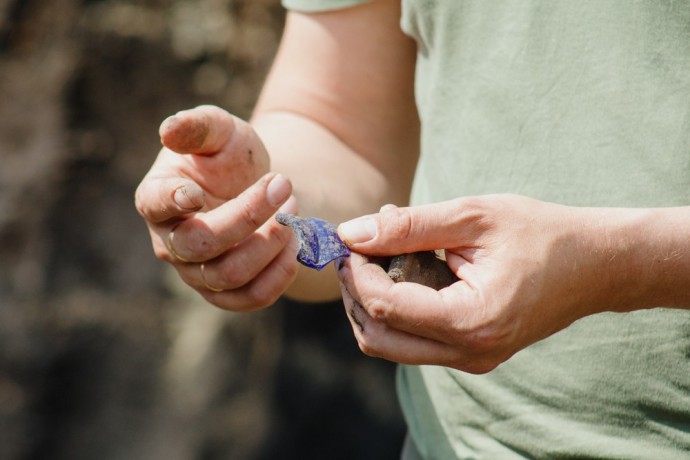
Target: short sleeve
311	6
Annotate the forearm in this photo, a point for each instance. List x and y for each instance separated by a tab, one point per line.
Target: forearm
338	116
662	257
330	180
643	258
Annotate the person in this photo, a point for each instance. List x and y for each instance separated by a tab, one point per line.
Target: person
546	150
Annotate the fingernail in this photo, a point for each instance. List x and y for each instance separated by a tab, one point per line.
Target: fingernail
278	190
189	197
340	263
357	231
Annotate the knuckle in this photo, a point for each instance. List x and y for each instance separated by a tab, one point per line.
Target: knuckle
379	309
475	202
161	253
141	202
261	296
160	249
474	206
246	213
366	347
218	301
244	307
187	278
234	303
483	341
234	276
369	339
138	202
478	366
399	223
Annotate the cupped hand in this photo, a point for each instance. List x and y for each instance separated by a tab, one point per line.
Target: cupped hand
526	270
208	201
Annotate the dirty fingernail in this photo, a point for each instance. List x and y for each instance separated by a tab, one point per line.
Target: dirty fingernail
340	263
189	198
278	190
357	231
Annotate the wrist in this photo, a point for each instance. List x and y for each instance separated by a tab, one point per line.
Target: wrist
642	258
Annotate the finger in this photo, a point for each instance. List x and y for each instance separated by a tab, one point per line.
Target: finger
395	231
201	130
228	153
387	207
241	264
379	340
159	199
464	269
207	235
264	290
410	307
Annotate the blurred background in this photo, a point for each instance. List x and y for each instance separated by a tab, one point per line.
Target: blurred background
103	354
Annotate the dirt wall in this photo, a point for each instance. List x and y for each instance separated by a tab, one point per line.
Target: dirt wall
103	354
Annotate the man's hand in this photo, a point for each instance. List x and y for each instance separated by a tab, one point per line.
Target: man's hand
527	269
208	202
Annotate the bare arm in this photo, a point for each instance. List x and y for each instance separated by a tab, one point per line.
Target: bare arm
527	269
338	118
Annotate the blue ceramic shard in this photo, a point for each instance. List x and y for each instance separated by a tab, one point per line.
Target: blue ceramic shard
319	243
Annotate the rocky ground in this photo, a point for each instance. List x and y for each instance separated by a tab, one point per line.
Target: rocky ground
102	353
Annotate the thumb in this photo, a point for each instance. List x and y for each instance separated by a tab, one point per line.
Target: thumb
201	130
229	155
396	231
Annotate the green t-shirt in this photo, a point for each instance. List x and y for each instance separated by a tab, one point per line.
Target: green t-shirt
580	103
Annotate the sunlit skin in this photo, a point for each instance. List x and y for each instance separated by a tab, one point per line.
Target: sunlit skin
335	134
